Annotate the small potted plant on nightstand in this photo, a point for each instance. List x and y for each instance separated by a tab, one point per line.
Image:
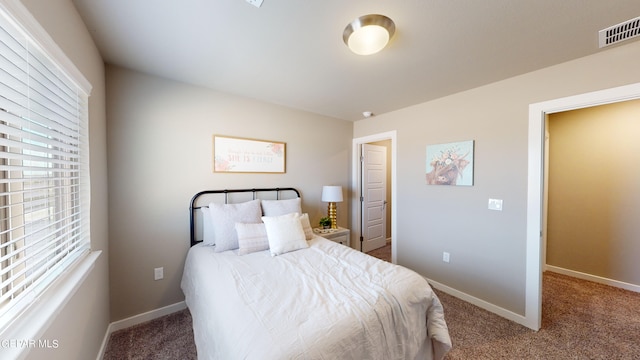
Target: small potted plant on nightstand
325	222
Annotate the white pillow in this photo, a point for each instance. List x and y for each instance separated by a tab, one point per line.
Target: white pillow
306	226
251	238
207	227
281	207
285	233
224	218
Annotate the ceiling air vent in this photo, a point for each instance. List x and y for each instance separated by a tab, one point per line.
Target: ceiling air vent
618	33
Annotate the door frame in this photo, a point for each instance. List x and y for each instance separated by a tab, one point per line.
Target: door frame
536	196
356	186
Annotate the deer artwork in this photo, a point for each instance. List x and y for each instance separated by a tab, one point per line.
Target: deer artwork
447	167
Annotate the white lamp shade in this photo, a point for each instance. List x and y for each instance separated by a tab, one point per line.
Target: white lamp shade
331	193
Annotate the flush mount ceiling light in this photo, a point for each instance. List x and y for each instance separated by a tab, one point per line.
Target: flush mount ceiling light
368	34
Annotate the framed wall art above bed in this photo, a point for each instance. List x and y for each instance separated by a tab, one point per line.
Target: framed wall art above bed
241	155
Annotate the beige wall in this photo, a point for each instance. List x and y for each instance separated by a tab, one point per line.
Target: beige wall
487	247
160	154
594	197
81	325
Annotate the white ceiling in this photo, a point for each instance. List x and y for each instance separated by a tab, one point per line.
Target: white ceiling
291	52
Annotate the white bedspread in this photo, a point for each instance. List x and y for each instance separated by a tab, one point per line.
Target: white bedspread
324	302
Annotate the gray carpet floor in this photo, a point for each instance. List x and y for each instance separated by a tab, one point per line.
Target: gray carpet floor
581	320
383	253
165	338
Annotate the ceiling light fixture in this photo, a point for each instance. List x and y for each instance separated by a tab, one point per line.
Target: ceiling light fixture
368	34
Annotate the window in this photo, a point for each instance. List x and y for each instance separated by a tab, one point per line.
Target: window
44	170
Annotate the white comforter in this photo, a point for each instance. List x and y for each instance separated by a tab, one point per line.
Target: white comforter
324	302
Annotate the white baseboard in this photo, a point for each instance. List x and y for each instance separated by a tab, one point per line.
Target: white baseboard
138	319
594	278
507	314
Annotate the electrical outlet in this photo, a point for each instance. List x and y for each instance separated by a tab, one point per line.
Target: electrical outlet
158	273
495	204
445	257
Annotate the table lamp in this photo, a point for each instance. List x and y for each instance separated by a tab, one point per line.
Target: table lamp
332	194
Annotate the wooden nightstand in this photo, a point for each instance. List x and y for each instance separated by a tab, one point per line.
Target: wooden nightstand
339	235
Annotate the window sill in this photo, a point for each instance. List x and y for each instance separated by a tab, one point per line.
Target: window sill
25	332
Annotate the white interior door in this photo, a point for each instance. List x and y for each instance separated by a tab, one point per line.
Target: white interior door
374	196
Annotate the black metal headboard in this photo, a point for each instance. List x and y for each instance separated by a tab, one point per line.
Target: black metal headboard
226	192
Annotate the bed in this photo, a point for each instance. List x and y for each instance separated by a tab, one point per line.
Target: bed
314	300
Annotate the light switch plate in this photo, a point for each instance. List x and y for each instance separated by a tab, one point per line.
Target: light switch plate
495	204
158	273
256	3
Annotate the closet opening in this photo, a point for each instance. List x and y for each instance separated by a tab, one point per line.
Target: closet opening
536	198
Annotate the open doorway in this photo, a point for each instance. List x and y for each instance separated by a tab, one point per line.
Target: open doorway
535	190
383	204
592	164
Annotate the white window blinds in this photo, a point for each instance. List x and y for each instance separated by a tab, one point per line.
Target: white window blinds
44	171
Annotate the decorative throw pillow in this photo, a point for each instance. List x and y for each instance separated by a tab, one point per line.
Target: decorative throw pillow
285	233
224	218
251	238
281	207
